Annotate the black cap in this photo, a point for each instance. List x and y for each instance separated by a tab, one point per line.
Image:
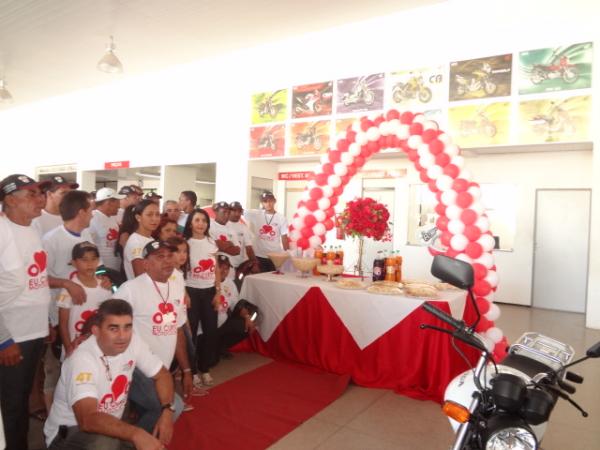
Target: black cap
82	248
17	182
155	246
221	205
152	195
266	195
235	205
126	190
58	181
138	190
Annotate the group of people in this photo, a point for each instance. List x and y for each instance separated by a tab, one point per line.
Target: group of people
138	298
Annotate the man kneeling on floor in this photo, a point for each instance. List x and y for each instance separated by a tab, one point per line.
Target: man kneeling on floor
94	384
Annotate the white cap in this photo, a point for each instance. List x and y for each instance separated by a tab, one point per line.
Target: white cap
106	193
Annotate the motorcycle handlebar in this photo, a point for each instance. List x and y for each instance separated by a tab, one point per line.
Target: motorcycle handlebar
458	324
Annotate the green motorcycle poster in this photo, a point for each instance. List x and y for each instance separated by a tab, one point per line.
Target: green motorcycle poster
480	78
555	69
480	125
269	106
415	90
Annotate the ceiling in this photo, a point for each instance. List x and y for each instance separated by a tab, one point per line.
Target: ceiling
49	48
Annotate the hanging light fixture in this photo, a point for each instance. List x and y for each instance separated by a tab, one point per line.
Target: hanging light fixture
109	62
5	96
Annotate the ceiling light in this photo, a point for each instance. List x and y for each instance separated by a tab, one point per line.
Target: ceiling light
204	182
5	96
147	175
109	62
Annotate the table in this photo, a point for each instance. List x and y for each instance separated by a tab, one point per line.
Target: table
374	338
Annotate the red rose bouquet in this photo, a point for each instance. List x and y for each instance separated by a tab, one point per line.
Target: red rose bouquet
364	217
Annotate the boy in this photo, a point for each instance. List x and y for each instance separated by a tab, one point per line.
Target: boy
72	317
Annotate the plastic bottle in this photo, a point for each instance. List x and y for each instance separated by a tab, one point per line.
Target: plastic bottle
398	267
390	267
330	255
319	256
379	267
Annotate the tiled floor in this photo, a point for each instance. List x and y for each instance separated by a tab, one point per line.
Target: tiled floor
372	419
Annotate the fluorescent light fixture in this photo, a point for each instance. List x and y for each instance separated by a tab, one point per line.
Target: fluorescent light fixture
147	175
204	182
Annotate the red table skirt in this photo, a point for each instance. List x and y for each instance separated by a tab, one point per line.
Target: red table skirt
414	362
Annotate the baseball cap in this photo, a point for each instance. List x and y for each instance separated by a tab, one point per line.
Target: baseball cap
235	205
222	258
17	182
152	195
138	190
267	195
155	246
82	248
221	205
126	190
105	193
58	181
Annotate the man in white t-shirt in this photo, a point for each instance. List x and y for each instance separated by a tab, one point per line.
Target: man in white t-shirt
223	235
104	226
50	217
26	316
94	386
159	316
243	235
187	203
132	197
270	230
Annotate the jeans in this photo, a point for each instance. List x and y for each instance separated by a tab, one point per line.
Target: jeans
231	332
203	312
15	386
143	396
75	439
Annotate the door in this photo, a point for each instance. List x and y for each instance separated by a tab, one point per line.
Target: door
561	242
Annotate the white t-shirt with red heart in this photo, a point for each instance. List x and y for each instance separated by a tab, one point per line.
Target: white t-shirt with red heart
267	229
158	311
227	301
87	373
26	317
133	250
244	237
105	233
202	263
221	232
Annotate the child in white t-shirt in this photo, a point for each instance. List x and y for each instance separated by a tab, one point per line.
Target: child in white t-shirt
72	317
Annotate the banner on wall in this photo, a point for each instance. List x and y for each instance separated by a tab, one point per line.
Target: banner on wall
555	69
415	89
554	120
359	94
267	141
311	100
269	106
481	124
481	78
309	138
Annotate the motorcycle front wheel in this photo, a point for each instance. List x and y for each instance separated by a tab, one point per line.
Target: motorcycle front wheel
397	94
570	75
425	95
369	97
537	76
489	87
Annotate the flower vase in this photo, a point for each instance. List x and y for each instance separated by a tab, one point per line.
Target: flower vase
358	268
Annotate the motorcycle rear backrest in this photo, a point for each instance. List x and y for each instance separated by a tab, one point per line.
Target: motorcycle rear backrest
593	351
453	271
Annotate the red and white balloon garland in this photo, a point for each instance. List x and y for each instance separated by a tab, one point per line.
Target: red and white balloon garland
463	224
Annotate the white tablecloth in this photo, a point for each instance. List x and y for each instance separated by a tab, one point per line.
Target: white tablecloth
367	316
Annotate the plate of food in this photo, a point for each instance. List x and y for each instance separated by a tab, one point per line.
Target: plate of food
388	283
445	287
420	290
384	290
350	283
410	281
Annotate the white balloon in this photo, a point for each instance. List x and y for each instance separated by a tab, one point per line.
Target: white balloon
414	141
427	161
324	203
361	138
444	183
311	184
456	226
446	139
423	150
495	334
347	158
320	215
341	135
487	242
394	126
419	118
319	229
430	125
327	191
298	223
356	126
373	134
334	181
384	128
434	172
458	160
483	223
451	149
493	313
324	158
403	132
314	241
305	196
459	242
449	197
453	211
475	192
303	211
478	207
465	258
486	260
492	278
354	149
295	235
340	169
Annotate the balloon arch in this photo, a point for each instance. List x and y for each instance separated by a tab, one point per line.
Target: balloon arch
462	221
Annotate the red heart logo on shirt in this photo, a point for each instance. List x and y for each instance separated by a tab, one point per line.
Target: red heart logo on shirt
112	234
119	386
267	228
40	259
206	264
85	315
223	237
165	308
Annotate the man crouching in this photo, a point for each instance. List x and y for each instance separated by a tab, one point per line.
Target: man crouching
92	391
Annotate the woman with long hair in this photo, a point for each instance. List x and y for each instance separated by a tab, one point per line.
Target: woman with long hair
167	228
147	218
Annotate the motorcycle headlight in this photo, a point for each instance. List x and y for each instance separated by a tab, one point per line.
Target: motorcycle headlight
514	438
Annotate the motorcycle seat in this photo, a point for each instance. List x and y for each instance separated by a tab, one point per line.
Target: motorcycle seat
528	366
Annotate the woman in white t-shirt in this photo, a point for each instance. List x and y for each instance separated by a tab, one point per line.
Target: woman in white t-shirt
147	216
203	284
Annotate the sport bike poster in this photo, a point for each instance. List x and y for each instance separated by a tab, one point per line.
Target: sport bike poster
269	106
358	94
556	69
267	141
554	120
480	78
311	100
480	125
415	90
309	138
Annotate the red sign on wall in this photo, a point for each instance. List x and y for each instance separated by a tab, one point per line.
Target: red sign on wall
294	176
116	165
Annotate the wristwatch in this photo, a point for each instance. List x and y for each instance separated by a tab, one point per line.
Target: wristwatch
169	406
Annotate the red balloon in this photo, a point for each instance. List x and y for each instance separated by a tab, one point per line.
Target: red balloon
442	223
364	151
327	169
445	238
330	212
301	203
378	120
342	145
423	176
432	186
328	224
316	193
438	196
416	128
352	170
483	324
333	200
407	117
334	156
436	146
452	253
382	142
464	199
395	142
451	170
428	136
345	179
413	155
321	179
392	114
460	184
310	220
418	166
303	243
440	209
312	205
500	351
482	304
350	135
472	233
338	191
306	232
373	146
359	161
442	160
480	271
474	250
365	124
468	217
482	288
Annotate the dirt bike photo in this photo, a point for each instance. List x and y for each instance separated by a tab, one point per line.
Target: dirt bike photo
267	141
555	121
309	138
269	107
480	125
413	88
480	79
312	102
561	69
360	93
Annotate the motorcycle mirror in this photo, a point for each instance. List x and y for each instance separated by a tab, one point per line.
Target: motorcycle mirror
453	271
593	351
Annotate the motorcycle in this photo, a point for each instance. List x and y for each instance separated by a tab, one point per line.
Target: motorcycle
506	405
557	120
268	107
478	80
310	103
309	137
267	141
360	93
413	88
481	125
568	72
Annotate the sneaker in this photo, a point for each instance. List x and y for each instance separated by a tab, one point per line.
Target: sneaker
187	407
207	380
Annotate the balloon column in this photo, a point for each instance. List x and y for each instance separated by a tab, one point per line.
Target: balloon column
462	222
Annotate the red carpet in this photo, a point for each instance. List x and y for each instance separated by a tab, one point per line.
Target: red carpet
256	409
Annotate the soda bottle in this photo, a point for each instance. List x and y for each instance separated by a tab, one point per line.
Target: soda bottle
398	267
319	256
390	268
379	267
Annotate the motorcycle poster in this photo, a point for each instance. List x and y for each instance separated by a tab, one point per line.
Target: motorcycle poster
481	78
480	125
311	100
360	93
309	138
269	106
556	69
415	90
554	120
267	141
